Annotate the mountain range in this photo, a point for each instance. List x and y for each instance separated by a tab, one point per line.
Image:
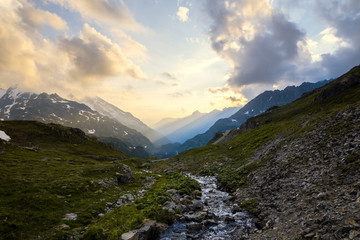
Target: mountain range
256	106
17	105
181	129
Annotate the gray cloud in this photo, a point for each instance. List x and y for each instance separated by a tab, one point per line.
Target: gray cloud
344	17
168	76
261	44
94	57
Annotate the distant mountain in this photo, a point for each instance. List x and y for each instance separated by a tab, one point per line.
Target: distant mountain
179	130
126	118
16	105
256	106
169	125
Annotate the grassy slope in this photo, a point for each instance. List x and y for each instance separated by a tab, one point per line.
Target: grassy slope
47	171
235	159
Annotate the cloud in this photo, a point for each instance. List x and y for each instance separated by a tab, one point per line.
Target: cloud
95	57
180	94
103	11
131	48
260	43
36	63
183	14
343	18
26	57
169	76
229	96
36	18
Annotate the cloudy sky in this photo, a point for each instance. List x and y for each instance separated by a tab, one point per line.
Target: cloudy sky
168	58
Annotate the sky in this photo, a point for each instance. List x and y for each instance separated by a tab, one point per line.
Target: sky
169	58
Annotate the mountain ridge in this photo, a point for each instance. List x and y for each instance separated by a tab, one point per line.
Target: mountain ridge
17	105
126	118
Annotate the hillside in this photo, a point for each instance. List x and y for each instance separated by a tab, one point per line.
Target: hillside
17	105
58	183
295	168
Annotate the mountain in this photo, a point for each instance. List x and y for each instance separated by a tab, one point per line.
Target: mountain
16	105
169	125
298	163
179	130
256	106
2	92
126	118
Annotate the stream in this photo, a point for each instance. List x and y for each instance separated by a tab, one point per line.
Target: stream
217	219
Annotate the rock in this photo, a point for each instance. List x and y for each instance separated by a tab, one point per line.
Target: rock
126	176
235	208
161	227
196	217
354	235
194	226
309	235
172	191
196	205
70	216
197	194
132	235
63	226
147	232
181	207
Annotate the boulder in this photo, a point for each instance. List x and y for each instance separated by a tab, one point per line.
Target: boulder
125	176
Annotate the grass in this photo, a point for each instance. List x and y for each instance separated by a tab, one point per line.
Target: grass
47	171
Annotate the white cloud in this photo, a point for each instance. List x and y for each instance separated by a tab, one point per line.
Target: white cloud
183	14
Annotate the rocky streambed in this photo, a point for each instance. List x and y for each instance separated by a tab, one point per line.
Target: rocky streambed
213	216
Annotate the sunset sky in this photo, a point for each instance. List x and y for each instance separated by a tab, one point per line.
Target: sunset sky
168	58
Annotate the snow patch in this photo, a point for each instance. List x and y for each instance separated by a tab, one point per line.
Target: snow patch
91	131
126	133
4	136
247	112
233	120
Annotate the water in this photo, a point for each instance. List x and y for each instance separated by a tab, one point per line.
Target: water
220	222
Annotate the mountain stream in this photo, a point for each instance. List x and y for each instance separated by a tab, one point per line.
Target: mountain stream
217	219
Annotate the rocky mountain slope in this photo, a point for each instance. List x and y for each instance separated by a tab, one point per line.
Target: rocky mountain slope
16	105
125	118
295	168
256	106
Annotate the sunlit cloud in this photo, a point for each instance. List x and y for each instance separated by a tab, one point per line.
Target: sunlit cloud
102	11
183	14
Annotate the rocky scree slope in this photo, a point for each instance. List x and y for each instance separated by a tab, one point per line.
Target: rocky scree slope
296	168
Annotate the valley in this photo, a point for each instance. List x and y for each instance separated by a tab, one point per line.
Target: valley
289	172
